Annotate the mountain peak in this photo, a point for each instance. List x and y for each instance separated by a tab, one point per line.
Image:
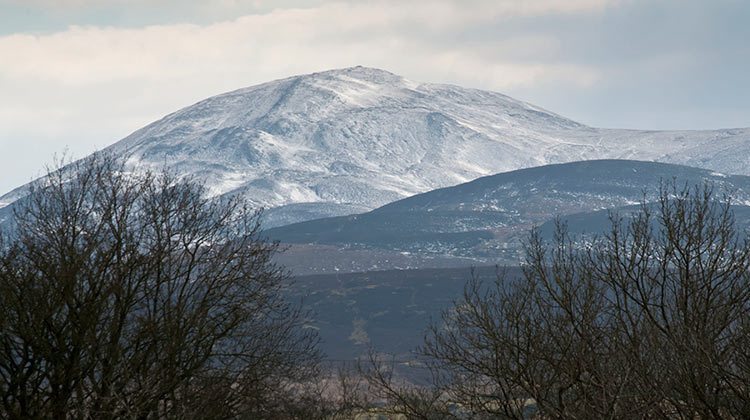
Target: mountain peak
360	72
352	139
320	137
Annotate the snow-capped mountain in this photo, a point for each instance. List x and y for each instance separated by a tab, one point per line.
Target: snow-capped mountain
350	140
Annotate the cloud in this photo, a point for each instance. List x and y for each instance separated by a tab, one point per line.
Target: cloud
96	80
89	85
284	39
91	79
508	7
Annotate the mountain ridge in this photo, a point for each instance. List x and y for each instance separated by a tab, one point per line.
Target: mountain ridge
350	140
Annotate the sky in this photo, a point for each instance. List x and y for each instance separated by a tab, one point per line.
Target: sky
78	75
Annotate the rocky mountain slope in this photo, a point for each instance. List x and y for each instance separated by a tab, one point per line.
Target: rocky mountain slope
350	140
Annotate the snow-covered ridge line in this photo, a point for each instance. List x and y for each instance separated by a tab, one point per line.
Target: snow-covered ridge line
326	143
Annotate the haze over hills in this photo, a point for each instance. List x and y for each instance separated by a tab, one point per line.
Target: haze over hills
350	140
485	220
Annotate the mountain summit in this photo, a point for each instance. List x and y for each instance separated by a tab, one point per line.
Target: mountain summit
350	140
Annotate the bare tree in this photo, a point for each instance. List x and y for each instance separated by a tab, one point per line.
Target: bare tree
649	321
135	296
399	396
680	287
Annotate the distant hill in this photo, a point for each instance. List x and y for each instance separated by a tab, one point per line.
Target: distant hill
484	220
583	226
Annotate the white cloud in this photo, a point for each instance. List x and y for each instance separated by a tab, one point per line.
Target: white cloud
88	86
509	7
282	40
